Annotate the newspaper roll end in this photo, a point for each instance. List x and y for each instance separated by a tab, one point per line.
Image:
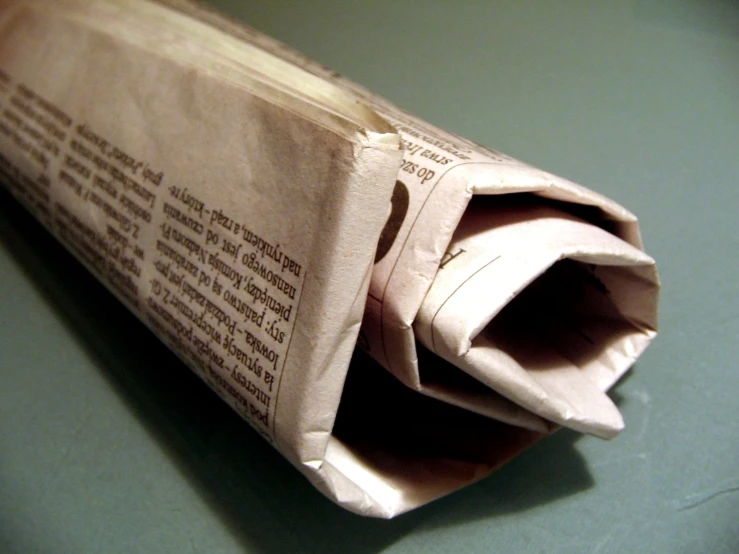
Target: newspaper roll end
543	307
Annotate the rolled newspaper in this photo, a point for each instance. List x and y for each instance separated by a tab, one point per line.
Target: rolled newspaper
255	209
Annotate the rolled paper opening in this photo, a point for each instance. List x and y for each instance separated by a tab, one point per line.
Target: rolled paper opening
545	308
571	334
570	312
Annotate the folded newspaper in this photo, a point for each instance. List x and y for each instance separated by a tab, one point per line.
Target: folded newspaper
263	216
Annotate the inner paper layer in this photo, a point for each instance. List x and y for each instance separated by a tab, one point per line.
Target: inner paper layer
542	307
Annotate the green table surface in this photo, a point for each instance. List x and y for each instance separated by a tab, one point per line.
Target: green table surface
109	444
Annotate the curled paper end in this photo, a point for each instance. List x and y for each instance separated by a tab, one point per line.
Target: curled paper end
543	307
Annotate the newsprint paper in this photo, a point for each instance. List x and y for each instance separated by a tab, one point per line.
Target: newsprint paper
263	216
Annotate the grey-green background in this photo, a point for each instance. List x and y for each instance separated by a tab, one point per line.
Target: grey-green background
106	448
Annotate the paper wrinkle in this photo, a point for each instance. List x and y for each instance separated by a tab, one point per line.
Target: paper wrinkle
378	496
235	203
499	408
534	391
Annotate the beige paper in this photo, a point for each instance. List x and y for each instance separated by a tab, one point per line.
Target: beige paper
238	197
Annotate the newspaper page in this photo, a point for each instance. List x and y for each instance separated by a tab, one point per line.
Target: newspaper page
510	298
